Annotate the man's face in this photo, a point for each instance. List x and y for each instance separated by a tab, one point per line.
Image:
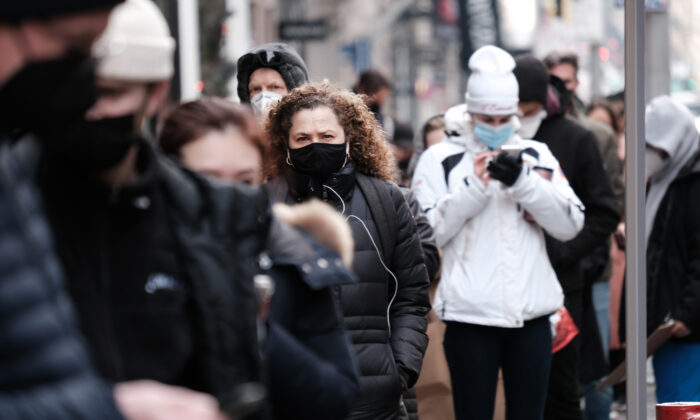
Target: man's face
529	109
379	97
49	39
52	38
265	79
567	73
117	98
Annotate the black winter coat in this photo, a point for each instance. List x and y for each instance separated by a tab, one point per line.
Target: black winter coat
673	255
198	299
44	368
311	371
431	253
386	317
577	151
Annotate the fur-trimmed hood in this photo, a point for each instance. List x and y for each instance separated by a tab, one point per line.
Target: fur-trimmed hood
324	224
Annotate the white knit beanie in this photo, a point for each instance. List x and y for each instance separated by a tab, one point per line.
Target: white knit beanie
136	45
492	88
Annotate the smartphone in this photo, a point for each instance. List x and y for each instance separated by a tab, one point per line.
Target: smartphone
511	150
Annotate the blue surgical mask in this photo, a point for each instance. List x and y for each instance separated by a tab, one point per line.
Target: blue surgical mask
491	136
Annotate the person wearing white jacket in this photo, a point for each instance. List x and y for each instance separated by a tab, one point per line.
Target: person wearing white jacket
490	195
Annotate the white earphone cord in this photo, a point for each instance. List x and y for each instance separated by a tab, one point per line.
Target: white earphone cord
379	255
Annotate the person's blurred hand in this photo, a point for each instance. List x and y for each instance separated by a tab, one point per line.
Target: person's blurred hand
619	236
150	400
480	163
679	329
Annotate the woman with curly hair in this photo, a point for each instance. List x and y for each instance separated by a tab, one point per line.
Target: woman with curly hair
325	143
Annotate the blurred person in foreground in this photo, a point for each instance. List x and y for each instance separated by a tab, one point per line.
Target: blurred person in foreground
577	151
498	287
268	72
308	361
326	144
159	262
673	246
46	86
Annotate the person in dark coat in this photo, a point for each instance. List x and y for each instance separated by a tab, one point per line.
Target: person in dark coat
580	159
673	252
45	371
306	349
326	144
268	72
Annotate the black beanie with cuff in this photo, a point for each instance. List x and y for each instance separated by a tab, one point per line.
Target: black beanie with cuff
533	78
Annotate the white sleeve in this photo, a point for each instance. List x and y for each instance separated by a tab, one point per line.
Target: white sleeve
447	211
553	204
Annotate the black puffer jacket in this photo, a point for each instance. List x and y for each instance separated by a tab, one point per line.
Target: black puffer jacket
673	255
385	317
44	368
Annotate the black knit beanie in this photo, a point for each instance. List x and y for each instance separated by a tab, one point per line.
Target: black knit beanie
18	10
277	56
533	78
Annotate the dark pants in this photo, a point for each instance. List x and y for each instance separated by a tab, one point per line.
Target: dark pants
564	394
474	354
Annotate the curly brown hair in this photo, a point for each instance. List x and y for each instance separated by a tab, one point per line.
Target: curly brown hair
369	152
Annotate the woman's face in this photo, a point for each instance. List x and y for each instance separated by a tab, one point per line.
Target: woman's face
494	120
225	155
600	114
318	125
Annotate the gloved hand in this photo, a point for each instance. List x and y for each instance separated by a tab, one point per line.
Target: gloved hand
506	168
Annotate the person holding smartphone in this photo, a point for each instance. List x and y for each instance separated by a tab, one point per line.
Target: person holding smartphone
497	288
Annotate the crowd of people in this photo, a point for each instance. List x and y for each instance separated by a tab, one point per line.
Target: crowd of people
294	255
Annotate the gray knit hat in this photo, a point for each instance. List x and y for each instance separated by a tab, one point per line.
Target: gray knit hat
277	56
18	10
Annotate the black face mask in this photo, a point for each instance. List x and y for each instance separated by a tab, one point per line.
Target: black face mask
93	146
319	159
45	96
375	108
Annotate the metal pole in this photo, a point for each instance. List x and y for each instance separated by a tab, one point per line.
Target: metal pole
635	202
190	69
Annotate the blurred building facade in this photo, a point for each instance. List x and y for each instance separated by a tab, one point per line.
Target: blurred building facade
423	45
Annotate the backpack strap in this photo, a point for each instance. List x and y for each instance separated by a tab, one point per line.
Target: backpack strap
381	206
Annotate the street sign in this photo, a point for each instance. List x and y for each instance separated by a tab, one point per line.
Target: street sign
314	30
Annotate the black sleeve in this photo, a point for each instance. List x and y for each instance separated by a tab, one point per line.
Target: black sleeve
412	303
431	254
307	351
44	368
688	309
591	184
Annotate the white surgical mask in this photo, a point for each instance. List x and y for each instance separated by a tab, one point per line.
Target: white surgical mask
655	164
262	101
530	125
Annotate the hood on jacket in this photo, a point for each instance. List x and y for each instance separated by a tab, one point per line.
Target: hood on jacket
325	224
277	56
670	127
558	97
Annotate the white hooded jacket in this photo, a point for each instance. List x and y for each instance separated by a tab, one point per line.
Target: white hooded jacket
496	271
